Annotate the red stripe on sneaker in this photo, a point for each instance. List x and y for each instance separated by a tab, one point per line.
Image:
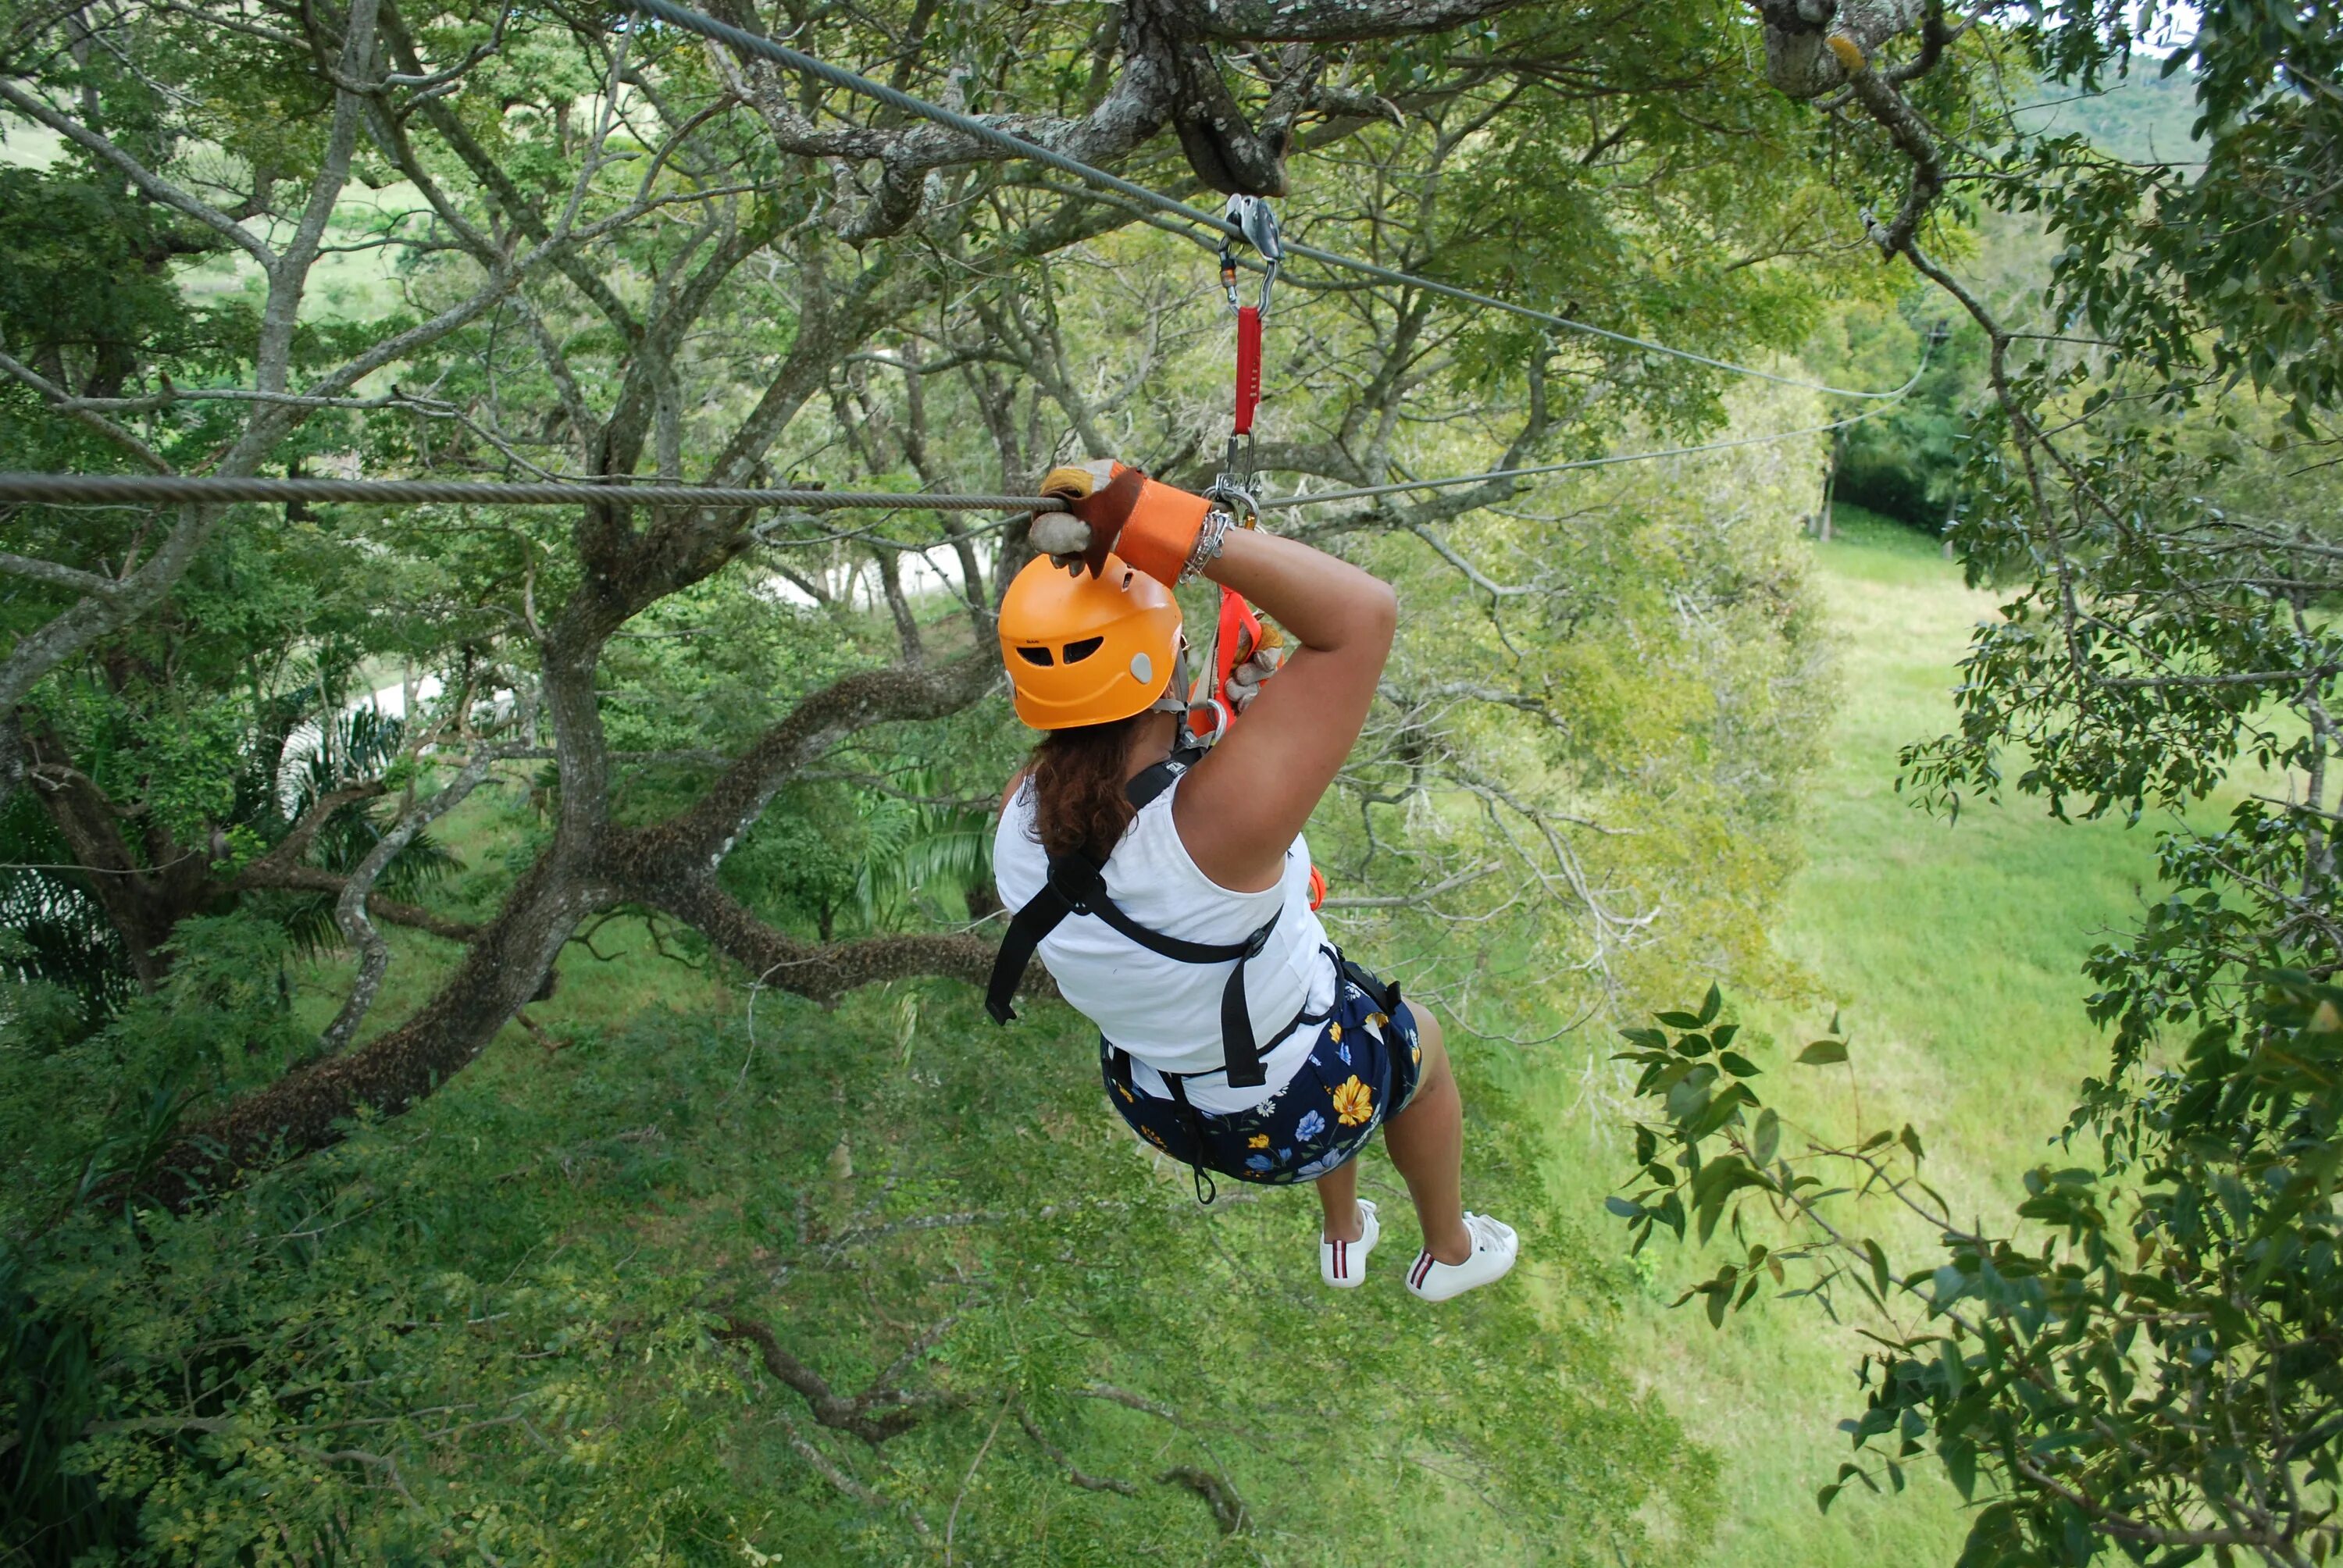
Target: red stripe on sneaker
1423	1268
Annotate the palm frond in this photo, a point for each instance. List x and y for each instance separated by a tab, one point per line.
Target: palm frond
62	935
916	850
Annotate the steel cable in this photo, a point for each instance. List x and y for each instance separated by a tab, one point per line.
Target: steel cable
138	490
133	489
1279	503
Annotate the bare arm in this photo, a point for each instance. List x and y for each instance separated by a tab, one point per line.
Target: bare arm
1239	811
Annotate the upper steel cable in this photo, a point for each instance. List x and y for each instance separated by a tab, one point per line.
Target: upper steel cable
757	44
1281	502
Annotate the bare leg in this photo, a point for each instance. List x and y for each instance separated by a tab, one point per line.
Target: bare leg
1338	1191
1427	1143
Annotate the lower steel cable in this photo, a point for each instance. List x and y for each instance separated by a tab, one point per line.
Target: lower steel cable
139	490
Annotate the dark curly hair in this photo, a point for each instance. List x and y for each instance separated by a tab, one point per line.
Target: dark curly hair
1076	777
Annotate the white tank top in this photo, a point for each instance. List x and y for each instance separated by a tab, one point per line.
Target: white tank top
1166	1013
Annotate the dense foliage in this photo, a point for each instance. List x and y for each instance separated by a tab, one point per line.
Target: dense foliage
553	1125
2151	1364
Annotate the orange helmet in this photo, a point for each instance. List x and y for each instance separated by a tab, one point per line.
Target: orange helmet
1087	649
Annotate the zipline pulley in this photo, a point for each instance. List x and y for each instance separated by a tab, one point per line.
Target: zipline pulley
1237	634
1258	222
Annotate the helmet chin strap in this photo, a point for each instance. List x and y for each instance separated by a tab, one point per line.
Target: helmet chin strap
1175	700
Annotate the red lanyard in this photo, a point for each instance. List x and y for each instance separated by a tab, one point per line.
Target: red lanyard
1237	635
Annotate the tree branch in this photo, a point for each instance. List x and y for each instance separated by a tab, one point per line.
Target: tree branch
351	907
314	879
874	1415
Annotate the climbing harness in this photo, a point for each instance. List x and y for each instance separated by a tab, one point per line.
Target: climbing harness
1077	886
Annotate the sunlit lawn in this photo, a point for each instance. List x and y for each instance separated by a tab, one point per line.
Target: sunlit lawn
1953	951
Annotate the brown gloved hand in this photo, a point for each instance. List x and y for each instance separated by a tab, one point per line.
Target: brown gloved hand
1153	526
1255	665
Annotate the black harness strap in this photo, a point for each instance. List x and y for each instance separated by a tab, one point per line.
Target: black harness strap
1158	779
1072	879
1077	886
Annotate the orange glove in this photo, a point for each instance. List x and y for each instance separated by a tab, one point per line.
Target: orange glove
1153	526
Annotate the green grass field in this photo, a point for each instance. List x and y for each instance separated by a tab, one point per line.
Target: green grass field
1953	951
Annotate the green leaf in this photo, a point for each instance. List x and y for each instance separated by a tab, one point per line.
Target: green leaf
1826	1496
1960	1465
1709	1006
1823	1052
1878	1265
1625	1208
1680	1020
1767	1138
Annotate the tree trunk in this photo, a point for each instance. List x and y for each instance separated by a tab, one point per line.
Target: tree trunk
307	1109
1830	487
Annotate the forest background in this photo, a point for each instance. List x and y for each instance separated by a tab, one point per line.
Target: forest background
489	1069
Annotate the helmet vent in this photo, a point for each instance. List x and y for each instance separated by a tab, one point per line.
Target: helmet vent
1034	655
1078	651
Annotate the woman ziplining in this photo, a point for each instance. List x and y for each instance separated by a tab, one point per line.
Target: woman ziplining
1167	887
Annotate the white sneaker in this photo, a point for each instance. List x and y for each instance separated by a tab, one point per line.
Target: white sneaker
1343	1264
1494	1247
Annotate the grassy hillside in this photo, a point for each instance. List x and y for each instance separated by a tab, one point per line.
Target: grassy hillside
641	1118
1953	951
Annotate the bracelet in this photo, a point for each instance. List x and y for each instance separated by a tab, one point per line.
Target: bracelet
1210	539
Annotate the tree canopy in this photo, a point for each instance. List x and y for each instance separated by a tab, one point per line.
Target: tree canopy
321	1245
765	1244
2146	1363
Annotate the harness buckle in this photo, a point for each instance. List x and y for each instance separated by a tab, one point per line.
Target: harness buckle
1076	881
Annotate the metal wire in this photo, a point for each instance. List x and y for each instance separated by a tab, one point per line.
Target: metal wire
757	44
1280	503
137	490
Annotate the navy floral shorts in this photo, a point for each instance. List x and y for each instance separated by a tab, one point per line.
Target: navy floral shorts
1364	1066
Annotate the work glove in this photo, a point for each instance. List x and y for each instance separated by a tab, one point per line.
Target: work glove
1254	666
1153	526
1062	536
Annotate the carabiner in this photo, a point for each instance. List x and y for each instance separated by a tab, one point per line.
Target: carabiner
1232	487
